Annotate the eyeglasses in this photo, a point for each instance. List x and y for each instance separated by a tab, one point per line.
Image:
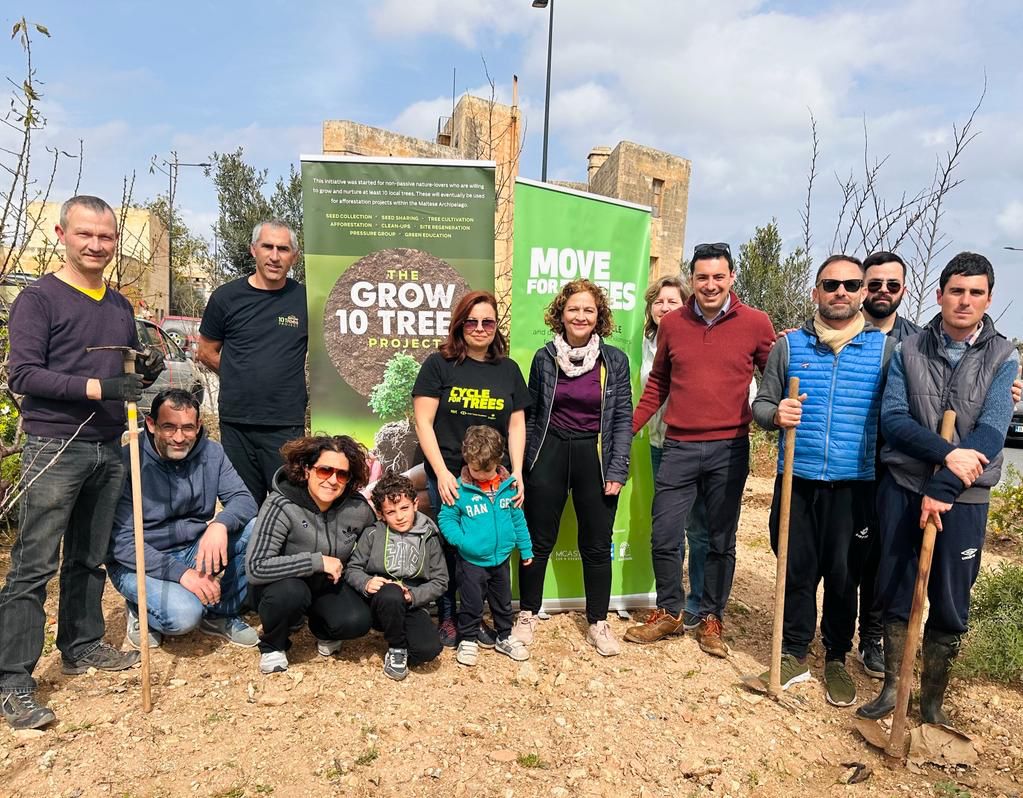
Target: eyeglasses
174	429
326	472
488	325
718	250
851	286
892	286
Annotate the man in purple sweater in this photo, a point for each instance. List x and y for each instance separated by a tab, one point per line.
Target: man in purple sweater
72	472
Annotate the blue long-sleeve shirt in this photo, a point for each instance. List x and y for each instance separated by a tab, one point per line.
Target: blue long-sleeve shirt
905	433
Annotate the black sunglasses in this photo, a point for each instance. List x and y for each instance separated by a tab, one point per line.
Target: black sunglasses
718	250
892	286
488	325
851	286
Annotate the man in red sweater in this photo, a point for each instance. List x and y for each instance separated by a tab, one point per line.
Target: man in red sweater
706	351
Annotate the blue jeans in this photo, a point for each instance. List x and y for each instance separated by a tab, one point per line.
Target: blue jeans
73	500
698	536
172	609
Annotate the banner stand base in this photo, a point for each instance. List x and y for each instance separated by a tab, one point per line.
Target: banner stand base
619	604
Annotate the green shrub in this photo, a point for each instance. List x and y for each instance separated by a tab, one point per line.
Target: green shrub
1005	518
391	398
994	646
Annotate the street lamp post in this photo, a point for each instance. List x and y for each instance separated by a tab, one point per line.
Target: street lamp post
172	182
547	96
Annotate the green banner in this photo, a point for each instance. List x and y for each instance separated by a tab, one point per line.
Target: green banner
390	247
562	235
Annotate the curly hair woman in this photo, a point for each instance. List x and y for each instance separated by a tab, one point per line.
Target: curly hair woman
579	436
305	533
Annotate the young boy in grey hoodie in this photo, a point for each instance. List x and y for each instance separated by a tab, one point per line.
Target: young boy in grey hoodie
398	566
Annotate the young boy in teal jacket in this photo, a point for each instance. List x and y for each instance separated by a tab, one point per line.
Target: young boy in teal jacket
484	525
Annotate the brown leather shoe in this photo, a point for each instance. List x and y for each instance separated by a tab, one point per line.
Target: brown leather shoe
659	623
708	635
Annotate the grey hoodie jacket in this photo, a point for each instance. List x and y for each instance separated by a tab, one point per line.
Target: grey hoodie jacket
291	535
414	559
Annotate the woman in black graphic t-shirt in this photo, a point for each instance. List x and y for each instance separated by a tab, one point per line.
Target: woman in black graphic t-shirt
468	382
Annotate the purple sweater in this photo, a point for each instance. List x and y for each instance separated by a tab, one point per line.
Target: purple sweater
51	324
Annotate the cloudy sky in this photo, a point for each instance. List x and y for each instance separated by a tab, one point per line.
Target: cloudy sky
729	84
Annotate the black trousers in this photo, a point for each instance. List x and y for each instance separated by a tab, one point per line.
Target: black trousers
568	463
954	568
255	453
336	611
403	626
871	626
717	471
476	583
822	545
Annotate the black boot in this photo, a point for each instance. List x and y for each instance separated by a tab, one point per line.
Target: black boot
894	645
940	649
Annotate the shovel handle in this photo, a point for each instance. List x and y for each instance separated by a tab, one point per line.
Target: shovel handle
774	682
897	738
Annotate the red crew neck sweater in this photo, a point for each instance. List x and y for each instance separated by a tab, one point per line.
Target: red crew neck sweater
704	372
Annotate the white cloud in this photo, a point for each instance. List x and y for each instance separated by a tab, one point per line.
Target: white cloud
462	20
1010	220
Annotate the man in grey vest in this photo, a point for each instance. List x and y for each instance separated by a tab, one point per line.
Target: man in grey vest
959	362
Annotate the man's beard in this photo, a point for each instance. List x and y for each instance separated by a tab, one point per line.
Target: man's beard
838	312
881	308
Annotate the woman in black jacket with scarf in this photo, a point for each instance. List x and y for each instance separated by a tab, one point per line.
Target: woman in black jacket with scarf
579	437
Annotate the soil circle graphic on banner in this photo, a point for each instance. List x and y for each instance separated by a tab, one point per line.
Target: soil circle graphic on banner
388	302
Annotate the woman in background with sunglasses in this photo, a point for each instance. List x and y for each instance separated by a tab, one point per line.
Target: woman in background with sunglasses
305	533
468	382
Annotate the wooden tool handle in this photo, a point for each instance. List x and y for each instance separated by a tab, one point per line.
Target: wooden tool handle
897	738
774	683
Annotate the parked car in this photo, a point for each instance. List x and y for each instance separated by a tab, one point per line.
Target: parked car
180	371
184	331
1015	434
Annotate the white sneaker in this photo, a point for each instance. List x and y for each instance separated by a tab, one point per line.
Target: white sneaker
468	652
326	648
273	662
512	647
525	626
600	636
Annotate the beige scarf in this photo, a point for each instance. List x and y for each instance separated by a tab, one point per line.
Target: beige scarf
837	339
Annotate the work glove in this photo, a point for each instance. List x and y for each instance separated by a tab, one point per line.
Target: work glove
124	387
149	363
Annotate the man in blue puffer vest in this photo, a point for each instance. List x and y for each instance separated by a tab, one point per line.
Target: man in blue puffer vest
195	556
840	361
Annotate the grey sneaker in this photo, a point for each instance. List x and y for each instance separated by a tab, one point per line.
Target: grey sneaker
273	662
840	689
486	637
327	648
22	711
793	671
690	621
396	663
525	627
233	629
871	656
512	647
103	658
468	652
134	631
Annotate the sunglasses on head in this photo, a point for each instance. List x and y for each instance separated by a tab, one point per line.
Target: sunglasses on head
326	472
851	286
718	250
488	325
892	286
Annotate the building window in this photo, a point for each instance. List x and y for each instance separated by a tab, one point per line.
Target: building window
658	186
653	266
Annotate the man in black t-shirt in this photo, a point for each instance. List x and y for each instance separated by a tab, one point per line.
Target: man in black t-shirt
254	334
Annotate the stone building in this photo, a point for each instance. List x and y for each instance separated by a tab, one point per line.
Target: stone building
486	130
139	269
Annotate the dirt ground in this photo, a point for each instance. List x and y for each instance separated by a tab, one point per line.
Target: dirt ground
657	720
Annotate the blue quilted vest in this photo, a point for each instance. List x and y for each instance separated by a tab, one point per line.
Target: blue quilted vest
837	436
